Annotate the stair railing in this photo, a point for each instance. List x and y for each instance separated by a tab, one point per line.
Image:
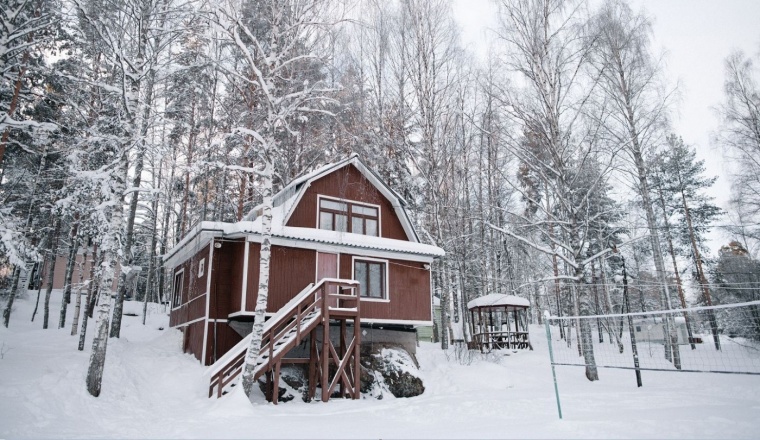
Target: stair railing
291	317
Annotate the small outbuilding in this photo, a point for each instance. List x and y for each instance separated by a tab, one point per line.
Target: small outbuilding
499	321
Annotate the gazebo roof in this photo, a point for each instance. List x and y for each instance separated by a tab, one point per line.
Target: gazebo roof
498	301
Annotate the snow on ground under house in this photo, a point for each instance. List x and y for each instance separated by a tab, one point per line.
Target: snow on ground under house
152	390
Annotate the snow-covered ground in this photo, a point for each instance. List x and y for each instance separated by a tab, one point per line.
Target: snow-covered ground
152	390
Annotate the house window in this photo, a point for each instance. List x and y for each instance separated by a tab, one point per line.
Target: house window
178	284
371	278
347	216
201	267
333	215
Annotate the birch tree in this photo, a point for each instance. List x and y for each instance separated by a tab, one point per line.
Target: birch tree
562	148
273	41
739	136
630	81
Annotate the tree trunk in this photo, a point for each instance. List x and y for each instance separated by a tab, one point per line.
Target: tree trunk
109	249
701	274
679	285
585	336
39	287
654	240
252	355
14	285
128	258
9	304
152	257
92	292
51	272
73	247
140	124
78	304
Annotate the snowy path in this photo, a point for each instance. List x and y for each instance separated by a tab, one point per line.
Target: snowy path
152	390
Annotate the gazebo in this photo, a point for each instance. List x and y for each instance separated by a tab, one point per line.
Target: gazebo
491	325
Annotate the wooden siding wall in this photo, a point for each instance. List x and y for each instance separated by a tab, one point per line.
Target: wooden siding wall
408	290
290	271
221	334
347	183
227	279
193	291
60	271
192	340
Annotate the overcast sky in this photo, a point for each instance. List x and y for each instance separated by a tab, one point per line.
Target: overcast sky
695	36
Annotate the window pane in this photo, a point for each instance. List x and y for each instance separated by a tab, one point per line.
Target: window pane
370	227
357	225
178	278
375	280
341	223
360	275
325	221
364	210
336	206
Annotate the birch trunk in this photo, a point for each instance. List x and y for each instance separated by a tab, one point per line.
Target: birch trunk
92	291
252	355
78	304
109	248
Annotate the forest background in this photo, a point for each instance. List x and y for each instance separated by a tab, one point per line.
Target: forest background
544	168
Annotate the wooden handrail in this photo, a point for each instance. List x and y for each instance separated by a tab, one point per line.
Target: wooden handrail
290	317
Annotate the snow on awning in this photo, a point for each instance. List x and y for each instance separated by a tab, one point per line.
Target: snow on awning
496	300
357	240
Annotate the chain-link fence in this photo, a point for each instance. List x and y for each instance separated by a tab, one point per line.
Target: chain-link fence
717	339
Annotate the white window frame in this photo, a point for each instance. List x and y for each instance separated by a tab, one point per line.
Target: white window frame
387	294
201	267
176	305
348	212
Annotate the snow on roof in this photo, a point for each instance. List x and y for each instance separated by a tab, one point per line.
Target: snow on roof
358	240
324	236
498	300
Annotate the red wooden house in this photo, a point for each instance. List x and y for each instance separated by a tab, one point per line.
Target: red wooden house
342	224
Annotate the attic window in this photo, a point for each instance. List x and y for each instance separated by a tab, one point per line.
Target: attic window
347	216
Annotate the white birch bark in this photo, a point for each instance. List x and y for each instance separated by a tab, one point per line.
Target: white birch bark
78	303
110	249
254	349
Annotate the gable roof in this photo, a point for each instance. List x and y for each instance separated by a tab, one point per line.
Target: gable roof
290	195
285	202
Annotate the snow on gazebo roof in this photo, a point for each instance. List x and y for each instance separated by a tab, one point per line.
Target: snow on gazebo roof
498	300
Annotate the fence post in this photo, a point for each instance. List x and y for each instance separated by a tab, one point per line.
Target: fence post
551	359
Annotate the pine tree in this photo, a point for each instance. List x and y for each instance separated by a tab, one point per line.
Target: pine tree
683	180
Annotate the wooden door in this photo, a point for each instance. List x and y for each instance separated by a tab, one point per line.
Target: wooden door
327	267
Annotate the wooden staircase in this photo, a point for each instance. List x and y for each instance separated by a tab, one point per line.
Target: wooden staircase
331	299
